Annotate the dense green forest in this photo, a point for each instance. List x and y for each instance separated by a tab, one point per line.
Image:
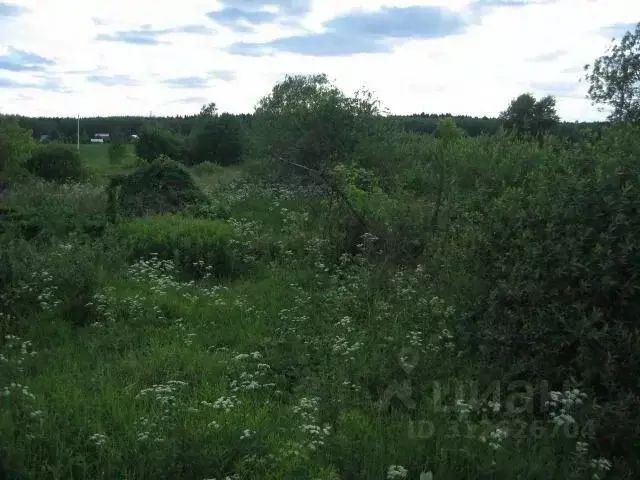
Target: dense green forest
65	129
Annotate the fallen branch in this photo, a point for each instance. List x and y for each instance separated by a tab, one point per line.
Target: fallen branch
333	185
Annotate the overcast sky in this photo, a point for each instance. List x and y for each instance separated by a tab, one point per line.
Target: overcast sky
117	57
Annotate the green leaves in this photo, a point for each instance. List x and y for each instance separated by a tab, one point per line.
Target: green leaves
308	121
16	143
216	139
56	162
526	115
614	78
185	240
155	140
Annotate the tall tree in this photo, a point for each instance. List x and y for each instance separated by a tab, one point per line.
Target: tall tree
526	115
614	78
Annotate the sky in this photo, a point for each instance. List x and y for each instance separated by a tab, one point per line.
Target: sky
464	57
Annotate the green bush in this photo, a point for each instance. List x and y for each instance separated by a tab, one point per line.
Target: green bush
217	139
161	186
56	162
184	240
43	210
16	144
308	121
554	261
155	140
60	278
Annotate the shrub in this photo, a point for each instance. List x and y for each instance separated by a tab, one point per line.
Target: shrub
56	162
58	278
309	121
217	139
155	140
161	186
184	240
16	144
557	259
46	210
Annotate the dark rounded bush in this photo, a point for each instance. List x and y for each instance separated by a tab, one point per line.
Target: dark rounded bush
155	140
216	139
56	162
162	186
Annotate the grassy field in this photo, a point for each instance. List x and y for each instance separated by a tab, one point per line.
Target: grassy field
298	361
97	157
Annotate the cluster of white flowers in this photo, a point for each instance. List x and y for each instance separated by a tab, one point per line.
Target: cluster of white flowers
351	386
395	472
244	356
600	467
205	270
226	403
108	305
19	389
463	408
341	344
147	429
98	439
562	405
496	437
23	351
582	448
164	392
414	337
307	408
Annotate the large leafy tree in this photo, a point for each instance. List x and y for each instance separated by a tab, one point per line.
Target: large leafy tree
16	143
309	122
216	138
526	115
614	78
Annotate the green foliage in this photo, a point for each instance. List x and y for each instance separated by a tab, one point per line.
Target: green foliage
614	78
448	131
557	257
217	139
184	240
42	211
16	144
353	330
308	121
56	278
56	162
526	115
117	152
161	186
155	140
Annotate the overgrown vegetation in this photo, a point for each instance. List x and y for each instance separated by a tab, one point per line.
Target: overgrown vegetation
162	186
56	162
353	301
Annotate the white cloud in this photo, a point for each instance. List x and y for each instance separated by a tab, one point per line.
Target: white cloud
475	73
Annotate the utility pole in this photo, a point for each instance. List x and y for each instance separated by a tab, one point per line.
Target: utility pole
78	134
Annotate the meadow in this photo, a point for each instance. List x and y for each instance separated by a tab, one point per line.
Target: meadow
450	307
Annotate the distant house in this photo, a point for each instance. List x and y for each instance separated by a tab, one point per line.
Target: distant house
104	136
134	137
97	140
44	138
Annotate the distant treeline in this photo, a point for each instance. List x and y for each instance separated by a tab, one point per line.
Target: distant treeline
476	126
64	129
